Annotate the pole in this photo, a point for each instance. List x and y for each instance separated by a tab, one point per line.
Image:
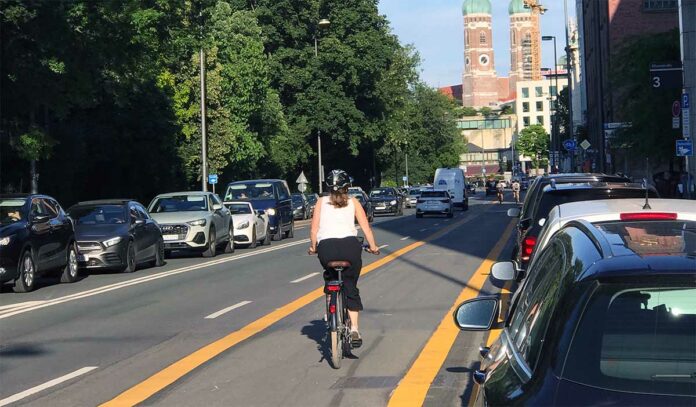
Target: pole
571	130
556	143
408	181
687	187
319	169
204	141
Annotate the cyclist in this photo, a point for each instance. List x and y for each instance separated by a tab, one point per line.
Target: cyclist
334	237
516	190
500	187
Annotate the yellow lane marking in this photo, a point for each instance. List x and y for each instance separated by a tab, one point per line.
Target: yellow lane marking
172	373
413	388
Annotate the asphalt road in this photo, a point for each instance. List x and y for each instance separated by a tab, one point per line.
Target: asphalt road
247	329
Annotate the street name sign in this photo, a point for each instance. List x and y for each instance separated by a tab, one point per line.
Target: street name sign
666	75
685	148
212	179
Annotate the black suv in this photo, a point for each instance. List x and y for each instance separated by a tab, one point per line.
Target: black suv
271	196
36	236
387	200
607	316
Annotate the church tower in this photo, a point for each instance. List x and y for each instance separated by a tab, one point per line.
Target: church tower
521	30
479	81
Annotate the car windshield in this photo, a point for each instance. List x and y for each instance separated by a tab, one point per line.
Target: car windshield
98	215
312	199
297	199
180	203
12	210
434	194
637	338
239	209
250	191
382	192
650	238
552	198
414	192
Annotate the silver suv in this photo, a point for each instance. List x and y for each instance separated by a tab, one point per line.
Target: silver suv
193	221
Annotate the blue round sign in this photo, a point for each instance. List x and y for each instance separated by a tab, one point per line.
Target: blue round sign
570	144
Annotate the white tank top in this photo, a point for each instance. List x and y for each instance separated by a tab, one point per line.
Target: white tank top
336	223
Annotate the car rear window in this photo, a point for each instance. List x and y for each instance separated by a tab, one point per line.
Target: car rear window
651	237
98	215
637	339
434	194
553	198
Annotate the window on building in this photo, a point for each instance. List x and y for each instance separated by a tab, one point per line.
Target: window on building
540	120
539	91
525	107
482	38
539	106
525	92
660	5
525	120
553	90
466	38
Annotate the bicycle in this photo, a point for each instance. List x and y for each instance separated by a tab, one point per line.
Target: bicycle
338	321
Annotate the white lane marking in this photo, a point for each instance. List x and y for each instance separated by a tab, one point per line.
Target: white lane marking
423	230
228	309
301	227
405	238
117	286
383	246
446	220
301	279
437	224
20	305
49	384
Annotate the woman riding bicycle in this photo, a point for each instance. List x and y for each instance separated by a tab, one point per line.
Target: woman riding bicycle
334	237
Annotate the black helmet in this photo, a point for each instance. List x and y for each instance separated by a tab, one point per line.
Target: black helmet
337	179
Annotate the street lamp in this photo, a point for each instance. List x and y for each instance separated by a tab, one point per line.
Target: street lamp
323	23
554	142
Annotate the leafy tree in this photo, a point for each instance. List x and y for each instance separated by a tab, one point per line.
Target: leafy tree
468	111
533	142
485	111
507	109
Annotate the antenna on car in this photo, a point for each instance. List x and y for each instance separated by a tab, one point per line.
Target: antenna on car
645	184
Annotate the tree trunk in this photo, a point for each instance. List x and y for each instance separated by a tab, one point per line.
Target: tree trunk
34	177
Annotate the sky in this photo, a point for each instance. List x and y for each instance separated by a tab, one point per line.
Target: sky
436	29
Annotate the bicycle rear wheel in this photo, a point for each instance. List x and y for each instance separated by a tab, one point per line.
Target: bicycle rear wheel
336	332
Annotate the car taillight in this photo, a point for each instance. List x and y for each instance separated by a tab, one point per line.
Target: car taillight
528	247
648	216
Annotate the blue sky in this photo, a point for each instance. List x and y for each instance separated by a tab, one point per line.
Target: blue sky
435	28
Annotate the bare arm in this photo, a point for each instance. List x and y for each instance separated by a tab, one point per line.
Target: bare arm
365	225
314	230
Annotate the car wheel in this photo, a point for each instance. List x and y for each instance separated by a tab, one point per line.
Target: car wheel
267	238
278	236
70	271
229	246
211	250
27	274
167	253
159	255
291	233
130	258
253	239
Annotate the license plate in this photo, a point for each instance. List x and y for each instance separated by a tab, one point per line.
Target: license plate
381	207
170	237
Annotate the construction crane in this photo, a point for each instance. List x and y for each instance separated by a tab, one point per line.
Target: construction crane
537	10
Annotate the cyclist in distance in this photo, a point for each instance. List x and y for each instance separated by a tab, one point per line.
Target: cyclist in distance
334	237
516	190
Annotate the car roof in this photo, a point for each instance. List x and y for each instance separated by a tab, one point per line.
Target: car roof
593	185
239	203
22	196
255	180
612	208
105	202
170	194
583	175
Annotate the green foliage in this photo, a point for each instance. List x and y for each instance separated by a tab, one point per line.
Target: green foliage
34	145
533	142
485	111
468	111
507	109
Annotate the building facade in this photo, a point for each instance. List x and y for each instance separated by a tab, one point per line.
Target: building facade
534	103
490	144
480	84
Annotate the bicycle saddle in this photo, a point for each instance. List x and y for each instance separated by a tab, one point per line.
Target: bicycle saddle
338	263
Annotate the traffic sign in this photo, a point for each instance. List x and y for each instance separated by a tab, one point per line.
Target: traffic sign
685	148
570	145
585	144
685	101
302	187
404	178
676	109
686	123
666	75
302	179
675	122
212	179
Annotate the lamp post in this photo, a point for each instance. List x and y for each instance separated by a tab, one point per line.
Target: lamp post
323	23
554	142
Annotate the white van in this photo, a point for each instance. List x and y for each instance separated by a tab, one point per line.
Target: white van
452	181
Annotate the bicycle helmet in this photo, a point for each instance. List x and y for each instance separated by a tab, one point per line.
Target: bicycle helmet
338	179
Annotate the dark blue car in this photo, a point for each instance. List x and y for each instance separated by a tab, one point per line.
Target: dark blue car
606	316
271	196
36	236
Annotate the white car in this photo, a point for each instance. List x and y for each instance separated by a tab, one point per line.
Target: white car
434	202
251	227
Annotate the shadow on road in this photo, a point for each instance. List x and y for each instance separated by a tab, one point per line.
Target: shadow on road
316	331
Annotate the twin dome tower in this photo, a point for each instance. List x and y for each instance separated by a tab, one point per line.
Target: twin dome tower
480	84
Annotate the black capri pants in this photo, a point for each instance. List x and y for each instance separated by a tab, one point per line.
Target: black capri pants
348	249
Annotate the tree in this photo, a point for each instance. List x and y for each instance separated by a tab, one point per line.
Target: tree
468	111
533	142
485	111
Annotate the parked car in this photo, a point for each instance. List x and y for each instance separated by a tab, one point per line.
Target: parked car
312	200
607	316
435	202
300	207
365	203
386	200
116	234
271	196
556	194
36	237
412	198
193	221
250	225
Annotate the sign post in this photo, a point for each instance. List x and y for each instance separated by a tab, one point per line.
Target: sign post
302	182
213	179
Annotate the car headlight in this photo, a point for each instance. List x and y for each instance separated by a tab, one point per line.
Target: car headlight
5	241
199	222
243	225
271	211
112	242
393	202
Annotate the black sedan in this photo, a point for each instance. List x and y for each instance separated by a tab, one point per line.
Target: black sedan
116	234
36	236
387	200
300	207
365	203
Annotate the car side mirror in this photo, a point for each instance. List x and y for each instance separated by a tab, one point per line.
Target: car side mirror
524	223
139	222
504	271
217	207
514	212
39	219
477	314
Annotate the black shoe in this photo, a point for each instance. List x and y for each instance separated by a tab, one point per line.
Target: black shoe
355	339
